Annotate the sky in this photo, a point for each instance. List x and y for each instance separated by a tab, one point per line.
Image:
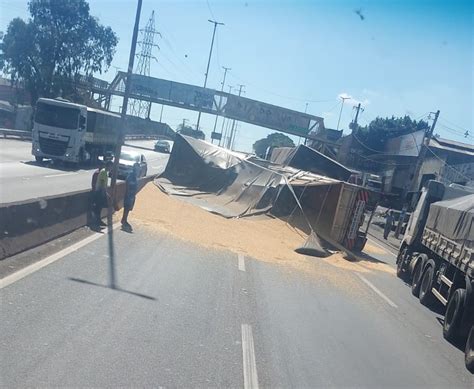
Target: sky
395	57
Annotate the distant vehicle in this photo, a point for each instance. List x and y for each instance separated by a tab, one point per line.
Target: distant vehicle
74	133
163	146
437	258
126	162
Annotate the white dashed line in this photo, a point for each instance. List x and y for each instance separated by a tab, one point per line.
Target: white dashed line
241	262
12	278
374	288
248	354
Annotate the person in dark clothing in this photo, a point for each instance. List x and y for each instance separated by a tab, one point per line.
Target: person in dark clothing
131	187
389	219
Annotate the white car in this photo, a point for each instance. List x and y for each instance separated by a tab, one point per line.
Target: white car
126	162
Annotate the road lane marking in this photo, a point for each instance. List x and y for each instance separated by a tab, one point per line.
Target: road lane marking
374	288
383	248
248	354
241	261
60	175
26	271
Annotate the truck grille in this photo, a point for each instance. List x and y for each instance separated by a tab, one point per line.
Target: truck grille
52	146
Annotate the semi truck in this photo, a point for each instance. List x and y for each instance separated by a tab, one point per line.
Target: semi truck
73	133
436	258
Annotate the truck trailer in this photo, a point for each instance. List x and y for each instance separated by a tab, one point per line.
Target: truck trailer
436	257
73	133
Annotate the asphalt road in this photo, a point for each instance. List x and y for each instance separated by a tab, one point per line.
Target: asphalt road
185	316
22	178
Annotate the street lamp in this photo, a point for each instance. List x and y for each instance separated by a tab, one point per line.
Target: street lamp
340	113
208	62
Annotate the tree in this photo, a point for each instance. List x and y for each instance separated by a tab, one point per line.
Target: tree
375	135
275	139
60	42
189	131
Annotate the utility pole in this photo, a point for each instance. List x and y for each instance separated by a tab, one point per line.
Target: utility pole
208	62
161	114
414	181
118	148
422	154
222	141
340	113
220	101
357	115
232	131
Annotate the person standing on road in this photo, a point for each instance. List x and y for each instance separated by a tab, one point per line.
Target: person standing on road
131	187
100	182
389	219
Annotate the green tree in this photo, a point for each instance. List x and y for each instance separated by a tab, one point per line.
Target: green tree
275	139
375	135
189	131
60	42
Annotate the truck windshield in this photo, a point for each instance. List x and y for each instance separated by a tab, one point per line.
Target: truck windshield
57	116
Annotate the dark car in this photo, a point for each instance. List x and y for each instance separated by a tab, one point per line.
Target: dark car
163	146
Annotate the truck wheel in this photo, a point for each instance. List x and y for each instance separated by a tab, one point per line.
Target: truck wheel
453	315
426	296
39	159
416	279
469	356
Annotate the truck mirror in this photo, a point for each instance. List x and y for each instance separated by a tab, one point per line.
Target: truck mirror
82	122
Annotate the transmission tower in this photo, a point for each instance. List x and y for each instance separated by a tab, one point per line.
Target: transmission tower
139	107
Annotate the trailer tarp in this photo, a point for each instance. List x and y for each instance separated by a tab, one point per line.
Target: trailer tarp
305	158
454	219
228	183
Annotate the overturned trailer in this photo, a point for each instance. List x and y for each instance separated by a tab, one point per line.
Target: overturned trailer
236	185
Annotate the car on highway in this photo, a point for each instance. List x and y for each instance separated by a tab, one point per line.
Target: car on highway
162	146
126	162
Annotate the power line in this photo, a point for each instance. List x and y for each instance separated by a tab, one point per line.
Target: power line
279	95
452	124
210	10
450	166
386	163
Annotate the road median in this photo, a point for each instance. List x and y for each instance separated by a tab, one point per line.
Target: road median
28	224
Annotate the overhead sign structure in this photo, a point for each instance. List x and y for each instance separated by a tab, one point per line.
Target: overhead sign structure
221	103
270	116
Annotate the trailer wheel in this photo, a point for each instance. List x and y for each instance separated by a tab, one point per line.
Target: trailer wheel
469	356
453	315
416	279
426	296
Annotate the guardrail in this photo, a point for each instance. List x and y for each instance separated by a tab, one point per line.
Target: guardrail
7	133
26	135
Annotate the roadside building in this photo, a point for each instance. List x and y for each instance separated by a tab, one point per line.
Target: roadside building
446	161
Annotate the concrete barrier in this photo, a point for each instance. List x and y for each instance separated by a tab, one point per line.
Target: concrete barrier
27	224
